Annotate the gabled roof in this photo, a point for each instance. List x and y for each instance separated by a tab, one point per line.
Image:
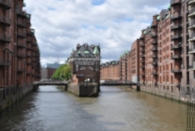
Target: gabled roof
86	50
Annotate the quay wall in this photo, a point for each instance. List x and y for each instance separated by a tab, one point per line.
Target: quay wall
84	90
12	96
176	96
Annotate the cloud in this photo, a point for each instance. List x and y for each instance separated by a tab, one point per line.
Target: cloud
114	24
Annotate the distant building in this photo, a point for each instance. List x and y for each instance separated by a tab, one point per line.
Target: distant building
85	63
54	65
133	66
46	73
110	71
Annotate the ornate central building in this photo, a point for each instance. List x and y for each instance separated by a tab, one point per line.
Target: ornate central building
85	63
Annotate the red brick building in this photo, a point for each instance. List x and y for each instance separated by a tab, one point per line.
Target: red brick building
126	69
133	63
173	73
164	56
19	52
110	71
123	67
188	65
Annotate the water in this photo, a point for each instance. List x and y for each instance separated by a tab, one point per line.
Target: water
116	109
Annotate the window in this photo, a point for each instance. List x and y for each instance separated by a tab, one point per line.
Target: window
90	68
171	79
92	63
194	74
77	67
82	68
188	91
171	89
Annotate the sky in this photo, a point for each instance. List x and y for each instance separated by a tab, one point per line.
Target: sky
113	24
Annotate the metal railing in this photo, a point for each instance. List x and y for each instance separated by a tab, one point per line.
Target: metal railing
4	62
175	36
177	46
155	62
20	34
192	36
29	33
5	38
191	11
154	49
6	3
21	13
142	37
175	26
21	45
154	55
175	16
192	50
154	42
141	44
20	69
192	23
192	66
22	23
154	34
176	56
5	20
154	24
142	50
176	70
21	55
154	73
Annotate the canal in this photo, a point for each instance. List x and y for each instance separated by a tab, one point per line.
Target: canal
116	109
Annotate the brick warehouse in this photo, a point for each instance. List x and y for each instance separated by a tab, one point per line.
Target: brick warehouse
19	52
166	54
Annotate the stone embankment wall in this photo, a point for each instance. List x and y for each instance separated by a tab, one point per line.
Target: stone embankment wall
84	90
12	96
176	96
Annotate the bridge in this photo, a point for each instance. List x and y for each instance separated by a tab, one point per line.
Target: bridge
65	84
50	82
120	83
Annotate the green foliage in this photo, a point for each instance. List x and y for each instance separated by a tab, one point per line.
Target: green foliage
62	73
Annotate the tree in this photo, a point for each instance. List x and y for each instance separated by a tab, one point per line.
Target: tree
62	73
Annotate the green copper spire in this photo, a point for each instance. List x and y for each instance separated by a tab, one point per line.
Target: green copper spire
27	15
24	4
95	51
32	30
158	18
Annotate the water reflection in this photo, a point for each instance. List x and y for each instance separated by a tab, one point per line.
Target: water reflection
116	109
